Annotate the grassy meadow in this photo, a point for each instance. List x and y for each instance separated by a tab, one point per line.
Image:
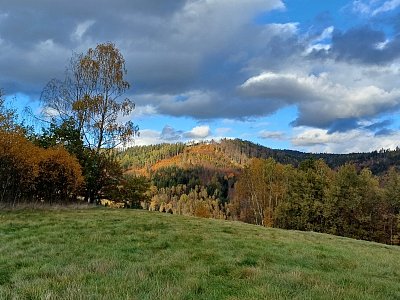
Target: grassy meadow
98	253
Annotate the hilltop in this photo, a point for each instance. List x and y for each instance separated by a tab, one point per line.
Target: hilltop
129	254
232	155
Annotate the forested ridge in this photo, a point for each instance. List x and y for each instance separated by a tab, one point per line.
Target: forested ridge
355	195
236	153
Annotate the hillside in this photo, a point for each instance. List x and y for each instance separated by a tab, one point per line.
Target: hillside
148	159
128	254
352	195
232	155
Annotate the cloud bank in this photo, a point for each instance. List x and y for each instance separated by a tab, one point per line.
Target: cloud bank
214	59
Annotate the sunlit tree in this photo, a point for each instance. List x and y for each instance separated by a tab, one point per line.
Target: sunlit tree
91	94
90	99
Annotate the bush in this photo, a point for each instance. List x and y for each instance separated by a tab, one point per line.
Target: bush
30	173
59	176
18	166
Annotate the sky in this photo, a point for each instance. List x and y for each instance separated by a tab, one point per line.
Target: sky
308	75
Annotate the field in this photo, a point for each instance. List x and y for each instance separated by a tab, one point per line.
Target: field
99	253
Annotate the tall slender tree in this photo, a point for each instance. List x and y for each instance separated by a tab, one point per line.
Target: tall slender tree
91	96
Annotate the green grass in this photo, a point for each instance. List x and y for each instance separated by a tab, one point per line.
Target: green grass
127	254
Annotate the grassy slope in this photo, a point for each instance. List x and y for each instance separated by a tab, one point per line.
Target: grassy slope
126	254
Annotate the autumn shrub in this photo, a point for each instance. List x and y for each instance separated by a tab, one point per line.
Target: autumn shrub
18	166
31	173
202	210
59	176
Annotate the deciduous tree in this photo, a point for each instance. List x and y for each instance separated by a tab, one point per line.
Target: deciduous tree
90	96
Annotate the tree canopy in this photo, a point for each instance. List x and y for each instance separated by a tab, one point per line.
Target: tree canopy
90	94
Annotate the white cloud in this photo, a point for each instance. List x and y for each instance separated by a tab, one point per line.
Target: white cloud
374	7
386	6
321	101
198	132
357	140
326	34
147	137
274	29
143	111
317	47
382	45
81	29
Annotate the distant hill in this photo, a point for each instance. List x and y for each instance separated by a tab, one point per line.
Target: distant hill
232	155
210	179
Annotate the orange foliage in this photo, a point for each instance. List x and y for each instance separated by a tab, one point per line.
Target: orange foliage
18	165
28	172
59	174
173	161
204	155
202	211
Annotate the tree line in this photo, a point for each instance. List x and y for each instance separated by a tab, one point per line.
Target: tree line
310	197
242	152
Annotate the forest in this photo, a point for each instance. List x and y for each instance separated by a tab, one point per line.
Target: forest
77	158
345	201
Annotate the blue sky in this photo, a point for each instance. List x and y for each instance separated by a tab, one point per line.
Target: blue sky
311	75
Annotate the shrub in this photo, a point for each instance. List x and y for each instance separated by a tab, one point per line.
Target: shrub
30	173
18	166
59	176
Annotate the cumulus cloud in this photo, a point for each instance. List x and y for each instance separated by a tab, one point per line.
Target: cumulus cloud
141	111
166	45
206	105
319	140
147	137
210	59
320	101
198	132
